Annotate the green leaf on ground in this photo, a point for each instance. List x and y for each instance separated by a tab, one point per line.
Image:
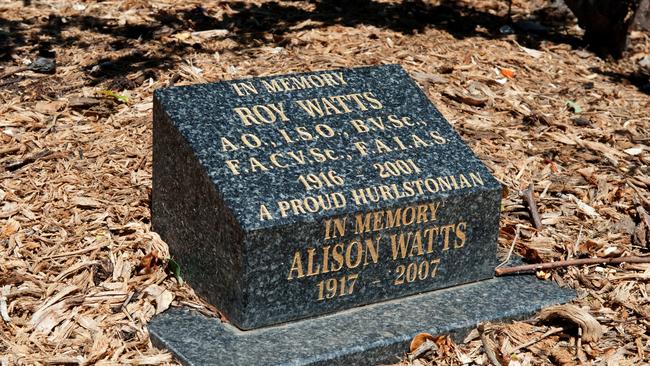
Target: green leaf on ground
175	269
117	96
575	107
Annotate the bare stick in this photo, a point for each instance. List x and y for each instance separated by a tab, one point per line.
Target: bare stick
527	194
538	339
14	71
510	10
489	350
571	262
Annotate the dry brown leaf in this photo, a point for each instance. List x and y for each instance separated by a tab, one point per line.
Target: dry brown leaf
163	300
151	261
49	107
641	236
10	227
86	202
419	339
465	97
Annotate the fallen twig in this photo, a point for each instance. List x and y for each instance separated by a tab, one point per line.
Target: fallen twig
28	160
527	195
571	262
538	339
489	349
9	150
80	251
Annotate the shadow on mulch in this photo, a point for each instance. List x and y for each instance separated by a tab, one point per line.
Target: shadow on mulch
638	79
255	25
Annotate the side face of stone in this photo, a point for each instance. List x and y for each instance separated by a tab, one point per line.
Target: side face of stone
189	214
319	192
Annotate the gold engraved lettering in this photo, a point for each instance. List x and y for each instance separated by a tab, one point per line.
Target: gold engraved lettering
416	244
339	75
261	114
303	82
326	259
246	115
357	252
418	142
421	241
329	107
398	244
399	143
374	102
373	250
356	97
445	183
476	178
338	227
312	204
300	82
256	165
251	141
359	125
395	217
463	181
233	165
378	222
431	234
361	147
382	147
271	86
446	229
296	266
264	213
275	162
340	100
326	106
460	234
316	81
349	261
363	196
337	257
408	215
244	89
312	107
228	146
311	271
417	270
437	137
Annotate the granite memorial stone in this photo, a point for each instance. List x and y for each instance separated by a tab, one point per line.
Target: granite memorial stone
289	197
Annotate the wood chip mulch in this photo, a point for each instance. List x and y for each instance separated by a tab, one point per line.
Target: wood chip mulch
81	272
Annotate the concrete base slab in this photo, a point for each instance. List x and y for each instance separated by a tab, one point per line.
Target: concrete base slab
367	335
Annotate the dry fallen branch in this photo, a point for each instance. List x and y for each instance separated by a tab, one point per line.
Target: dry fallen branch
488	346
549	333
571	262
591	329
528	196
28	160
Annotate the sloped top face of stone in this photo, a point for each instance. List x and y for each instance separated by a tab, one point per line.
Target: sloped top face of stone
299	147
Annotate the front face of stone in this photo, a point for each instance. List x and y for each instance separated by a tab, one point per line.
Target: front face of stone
348	185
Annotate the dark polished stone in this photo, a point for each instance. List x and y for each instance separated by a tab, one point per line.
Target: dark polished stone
276	215
369	335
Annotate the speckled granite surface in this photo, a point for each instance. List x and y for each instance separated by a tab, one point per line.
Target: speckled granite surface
408	208
368	335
